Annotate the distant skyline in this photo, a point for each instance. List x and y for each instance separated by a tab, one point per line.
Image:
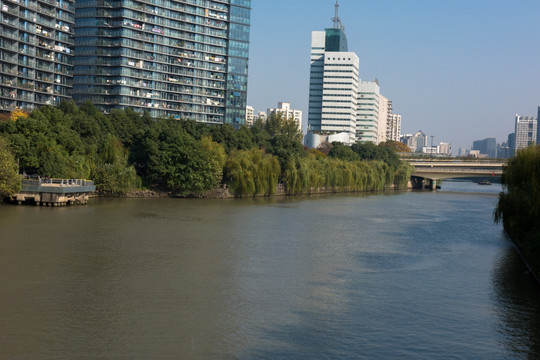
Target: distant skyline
458	70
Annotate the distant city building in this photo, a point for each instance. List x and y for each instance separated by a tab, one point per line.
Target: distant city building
36	53
526	131
504	151
284	108
249	116
463	152
476	154
383	118
368	111
415	142
393	124
487	146
512	144
172	58
445	149
261	115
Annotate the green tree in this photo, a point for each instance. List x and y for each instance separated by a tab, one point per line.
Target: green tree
252	172
396	146
10	181
215	155
343	152
518	207
170	159
111	172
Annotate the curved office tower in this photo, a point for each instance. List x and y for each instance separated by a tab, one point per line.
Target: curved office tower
36	53
185	59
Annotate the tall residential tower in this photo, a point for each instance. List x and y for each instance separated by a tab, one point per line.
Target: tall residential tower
36	53
185	59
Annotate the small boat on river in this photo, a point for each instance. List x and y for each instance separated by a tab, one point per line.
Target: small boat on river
483	182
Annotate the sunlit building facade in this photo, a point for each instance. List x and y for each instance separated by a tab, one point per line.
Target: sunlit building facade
172	58
525	131
284	109
367	123
333	87
36	53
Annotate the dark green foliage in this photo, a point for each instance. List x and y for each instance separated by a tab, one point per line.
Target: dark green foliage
370	151
10	181
343	152
67	142
170	159
111	171
123	150
519	204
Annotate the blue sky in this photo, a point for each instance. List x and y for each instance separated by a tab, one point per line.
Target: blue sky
457	69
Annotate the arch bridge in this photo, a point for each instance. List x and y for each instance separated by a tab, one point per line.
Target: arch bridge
427	172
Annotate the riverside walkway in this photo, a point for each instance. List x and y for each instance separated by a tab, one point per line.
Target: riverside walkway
54	192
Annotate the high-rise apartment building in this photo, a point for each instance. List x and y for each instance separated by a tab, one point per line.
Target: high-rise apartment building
383	115
284	108
526	128
179	58
250	115
333	87
393	124
36	53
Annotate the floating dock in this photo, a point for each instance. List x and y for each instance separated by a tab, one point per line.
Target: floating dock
54	192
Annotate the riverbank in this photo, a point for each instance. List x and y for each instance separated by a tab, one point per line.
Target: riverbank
519	205
224	193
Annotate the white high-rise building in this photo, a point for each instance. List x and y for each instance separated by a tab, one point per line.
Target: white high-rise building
261	115
333	88
382	121
249	116
393	124
367	122
526	128
393	127
284	108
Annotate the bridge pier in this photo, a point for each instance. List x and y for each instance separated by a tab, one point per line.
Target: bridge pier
432	184
421	183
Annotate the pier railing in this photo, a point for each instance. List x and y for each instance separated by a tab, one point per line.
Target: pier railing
58	185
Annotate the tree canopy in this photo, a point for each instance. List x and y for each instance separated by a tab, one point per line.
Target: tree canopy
10	181
126	150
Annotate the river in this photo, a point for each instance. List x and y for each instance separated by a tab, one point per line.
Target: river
410	275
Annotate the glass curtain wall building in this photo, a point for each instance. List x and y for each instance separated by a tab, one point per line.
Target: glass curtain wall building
179	58
36	53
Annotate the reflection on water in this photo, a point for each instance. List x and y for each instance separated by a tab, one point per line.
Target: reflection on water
518	306
411	275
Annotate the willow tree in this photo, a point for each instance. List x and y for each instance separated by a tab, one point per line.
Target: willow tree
251	172
519	203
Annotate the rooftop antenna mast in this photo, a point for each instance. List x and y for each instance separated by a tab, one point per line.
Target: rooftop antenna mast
337	21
